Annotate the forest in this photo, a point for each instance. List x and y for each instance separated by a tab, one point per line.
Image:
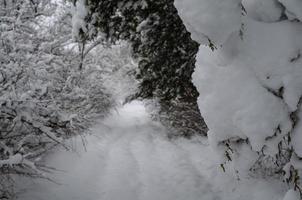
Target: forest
150	99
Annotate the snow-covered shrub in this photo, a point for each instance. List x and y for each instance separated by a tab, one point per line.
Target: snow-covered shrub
118	69
44	98
250	86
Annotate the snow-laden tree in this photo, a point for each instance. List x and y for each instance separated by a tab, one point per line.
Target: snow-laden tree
250	85
44	98
161	46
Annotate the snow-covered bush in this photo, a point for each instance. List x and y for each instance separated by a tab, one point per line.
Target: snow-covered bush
118	69
250	86
44	98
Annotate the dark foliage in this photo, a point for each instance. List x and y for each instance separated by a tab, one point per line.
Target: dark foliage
164	50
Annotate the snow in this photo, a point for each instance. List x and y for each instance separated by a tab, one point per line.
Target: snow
250	89
239	81
13	160
129	157
239	74
292	195
297	137
214	20
293	8
250	86
79	12
263	10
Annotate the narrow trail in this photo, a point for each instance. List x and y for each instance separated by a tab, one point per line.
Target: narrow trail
128	157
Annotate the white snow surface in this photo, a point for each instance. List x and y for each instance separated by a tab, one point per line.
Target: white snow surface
15	159
79	12
214	20
293	8
263	10
235	80
292	195
129	157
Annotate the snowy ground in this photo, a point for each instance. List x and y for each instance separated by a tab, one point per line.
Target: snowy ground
128	157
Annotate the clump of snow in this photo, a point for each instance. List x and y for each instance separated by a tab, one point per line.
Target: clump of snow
293	8
263	10
13	160
211	20
244	75
292	195
79	12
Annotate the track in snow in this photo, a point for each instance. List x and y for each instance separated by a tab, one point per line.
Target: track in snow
128	157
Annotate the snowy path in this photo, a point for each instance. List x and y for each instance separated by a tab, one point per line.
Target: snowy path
129	158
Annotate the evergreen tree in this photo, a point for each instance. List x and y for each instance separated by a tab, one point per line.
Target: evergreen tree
164	50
